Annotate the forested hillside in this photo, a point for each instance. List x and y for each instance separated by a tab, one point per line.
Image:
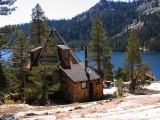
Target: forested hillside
118	18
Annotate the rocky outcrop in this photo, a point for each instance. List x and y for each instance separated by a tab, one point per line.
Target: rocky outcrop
149	7
8	117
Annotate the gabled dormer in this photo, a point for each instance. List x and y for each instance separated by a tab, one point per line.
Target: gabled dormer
34	53
64	55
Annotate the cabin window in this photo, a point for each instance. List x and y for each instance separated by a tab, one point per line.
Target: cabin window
97	82
84	85
65	54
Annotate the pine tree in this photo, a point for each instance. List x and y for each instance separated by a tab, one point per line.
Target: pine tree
39	26
4	83
133	58
99	46
41	75
5	8
21	48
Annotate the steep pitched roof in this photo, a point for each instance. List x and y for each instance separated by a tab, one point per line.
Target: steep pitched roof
59	41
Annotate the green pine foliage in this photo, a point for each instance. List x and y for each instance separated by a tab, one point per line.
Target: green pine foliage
21	48
8	81
132	58
3	81
39	26
21	45
42	84
100	49
120	85
141	74
42	75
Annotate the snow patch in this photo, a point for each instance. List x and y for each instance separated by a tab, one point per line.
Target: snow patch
109	91
153	86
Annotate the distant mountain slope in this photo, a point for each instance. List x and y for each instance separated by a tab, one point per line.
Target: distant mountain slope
114	15
118	18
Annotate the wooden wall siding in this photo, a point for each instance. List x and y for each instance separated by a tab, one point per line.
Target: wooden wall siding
67	61
80	95
28	65
34	56
68	92
98	89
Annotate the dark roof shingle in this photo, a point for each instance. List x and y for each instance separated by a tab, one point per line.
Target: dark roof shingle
77	73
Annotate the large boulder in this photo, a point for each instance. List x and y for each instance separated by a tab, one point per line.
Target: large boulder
8	117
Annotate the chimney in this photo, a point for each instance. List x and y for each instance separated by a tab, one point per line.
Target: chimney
86	64
86	58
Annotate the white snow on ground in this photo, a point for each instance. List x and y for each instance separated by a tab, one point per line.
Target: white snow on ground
128	110
153	86
109	90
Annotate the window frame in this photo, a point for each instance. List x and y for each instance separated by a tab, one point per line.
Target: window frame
65	54
82	85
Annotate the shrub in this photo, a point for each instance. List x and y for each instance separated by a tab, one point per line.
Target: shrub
115	95
119	84
9	101
120	92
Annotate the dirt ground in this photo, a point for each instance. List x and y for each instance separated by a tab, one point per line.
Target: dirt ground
131	107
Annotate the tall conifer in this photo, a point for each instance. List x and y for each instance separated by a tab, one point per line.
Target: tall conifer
99	46
21	48
132	58
39	26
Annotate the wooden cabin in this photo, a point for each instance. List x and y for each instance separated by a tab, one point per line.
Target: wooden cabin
72	73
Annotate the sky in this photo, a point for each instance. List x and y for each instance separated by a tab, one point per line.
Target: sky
54	9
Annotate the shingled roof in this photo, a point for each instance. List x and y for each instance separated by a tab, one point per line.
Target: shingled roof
77	73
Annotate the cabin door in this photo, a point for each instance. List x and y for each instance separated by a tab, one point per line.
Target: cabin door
91	91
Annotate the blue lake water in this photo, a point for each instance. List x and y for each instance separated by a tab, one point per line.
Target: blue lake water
118	60
6	54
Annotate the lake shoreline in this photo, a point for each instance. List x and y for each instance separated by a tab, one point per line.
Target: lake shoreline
152	58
